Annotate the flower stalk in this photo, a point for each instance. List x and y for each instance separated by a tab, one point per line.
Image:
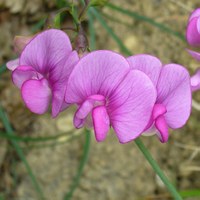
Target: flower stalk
157	169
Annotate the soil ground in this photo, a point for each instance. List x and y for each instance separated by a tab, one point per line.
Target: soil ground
113	171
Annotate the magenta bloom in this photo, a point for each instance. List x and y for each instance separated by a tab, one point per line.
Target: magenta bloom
43	69
108	93
173	104
195	81
193	28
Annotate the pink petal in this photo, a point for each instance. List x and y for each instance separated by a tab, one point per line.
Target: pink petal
192	33
13	64
46	51
174	92
148	64
22	74
87	106
195	13
36	95
161	125
59	79
195	81
84	109
78	123
131	105
158	110
101	122
99	72
194	54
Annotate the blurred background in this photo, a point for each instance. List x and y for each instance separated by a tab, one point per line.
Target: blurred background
40	156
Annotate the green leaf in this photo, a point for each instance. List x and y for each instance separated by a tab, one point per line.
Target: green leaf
74	13
92	38
81	166
57	21
190	193
157	169
2	197
110	32
149	20
62	3
20	153
38	25
3	69
100	3
10	136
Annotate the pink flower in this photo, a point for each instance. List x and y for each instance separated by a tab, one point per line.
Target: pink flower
173	104
43	70
108	93
195	81
193	28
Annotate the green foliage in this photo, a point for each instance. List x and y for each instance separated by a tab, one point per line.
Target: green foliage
2	69
100	3
62	3
190	193
20	153
81	166
146	19
74	13
110	32
2	197
57	21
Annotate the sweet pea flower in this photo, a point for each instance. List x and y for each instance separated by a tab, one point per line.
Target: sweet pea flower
195	81
173	104
193	28
109	94
43	70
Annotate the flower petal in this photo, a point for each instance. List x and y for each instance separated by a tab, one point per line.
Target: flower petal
87	106
161	125
131	105
46	51
194	54
59	79
195	13
148	64
192	33
78	123
174	92
36	95
158	110
101	122
99	72
195	81
22	74
13	64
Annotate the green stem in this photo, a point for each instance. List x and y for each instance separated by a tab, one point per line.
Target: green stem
110	31
157	169
145	19
83	161
20	153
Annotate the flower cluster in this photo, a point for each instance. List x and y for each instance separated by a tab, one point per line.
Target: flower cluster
193	39
135	95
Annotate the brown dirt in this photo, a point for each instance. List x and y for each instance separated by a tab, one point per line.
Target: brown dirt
114	171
